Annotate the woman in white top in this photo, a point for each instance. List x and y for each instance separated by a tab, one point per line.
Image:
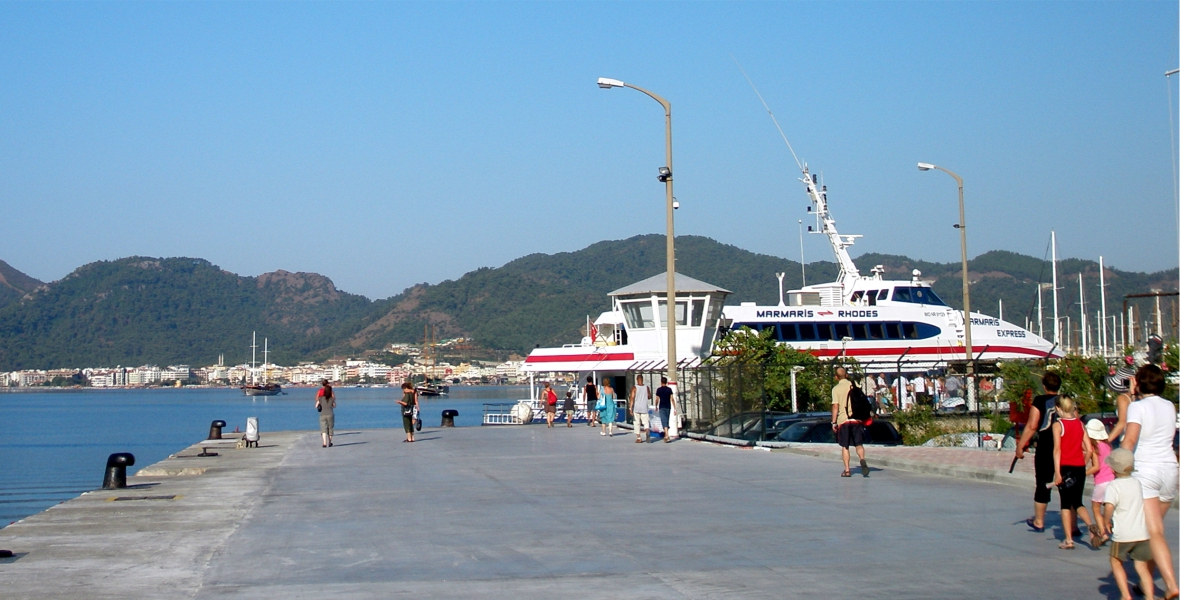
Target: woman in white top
1151	425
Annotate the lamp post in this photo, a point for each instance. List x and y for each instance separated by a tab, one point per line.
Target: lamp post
962	227
665	176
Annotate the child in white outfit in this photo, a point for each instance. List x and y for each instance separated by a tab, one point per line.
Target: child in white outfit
1124	502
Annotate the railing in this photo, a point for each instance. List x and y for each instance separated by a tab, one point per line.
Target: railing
499	413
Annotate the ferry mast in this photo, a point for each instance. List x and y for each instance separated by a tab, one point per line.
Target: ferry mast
840	243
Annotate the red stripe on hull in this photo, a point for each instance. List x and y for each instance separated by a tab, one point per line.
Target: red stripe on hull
944	351
549	358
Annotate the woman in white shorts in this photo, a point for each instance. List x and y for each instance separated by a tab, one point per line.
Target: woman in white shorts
1151	425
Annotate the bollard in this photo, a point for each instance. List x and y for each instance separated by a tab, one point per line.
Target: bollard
215	430
448	417
116	477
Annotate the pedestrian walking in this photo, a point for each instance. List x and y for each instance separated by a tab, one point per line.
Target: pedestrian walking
1151	425
568	408
590	393
1123	504
409	404
849	431
1041	416
325	404
1122	382
549	399
1071	453
639	403
665	401
921	398
609	411
1103	475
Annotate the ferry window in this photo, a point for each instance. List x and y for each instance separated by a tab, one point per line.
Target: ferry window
927	331
901	294
698	312
751	326
788	332
714	314
638	314
908	331
681	312
824	330
807	331
857	295
858	331
893	331
872	296
931	297
875	331
842	331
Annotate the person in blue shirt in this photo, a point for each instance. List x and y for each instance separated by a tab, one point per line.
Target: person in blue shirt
665	400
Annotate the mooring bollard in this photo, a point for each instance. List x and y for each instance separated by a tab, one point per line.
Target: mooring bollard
448	417
116	477
215	430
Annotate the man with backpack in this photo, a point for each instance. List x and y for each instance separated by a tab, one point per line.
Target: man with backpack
850	411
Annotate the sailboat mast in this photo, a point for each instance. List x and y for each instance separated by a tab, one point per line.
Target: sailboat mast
1102	292
253	356
1082	313
1040	311
1056	319
265	354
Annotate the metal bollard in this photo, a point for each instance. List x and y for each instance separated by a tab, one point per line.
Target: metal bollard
448	417
215	430
116	477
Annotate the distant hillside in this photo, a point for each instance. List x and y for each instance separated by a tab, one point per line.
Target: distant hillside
187	311
173	311
14	285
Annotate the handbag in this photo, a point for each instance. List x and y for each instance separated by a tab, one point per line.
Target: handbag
417	420
600	405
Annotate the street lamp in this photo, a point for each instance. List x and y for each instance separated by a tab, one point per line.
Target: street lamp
962	227
665	176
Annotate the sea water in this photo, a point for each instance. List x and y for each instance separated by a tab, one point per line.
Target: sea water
54	445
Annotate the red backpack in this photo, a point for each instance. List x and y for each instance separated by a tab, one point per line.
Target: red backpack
551	397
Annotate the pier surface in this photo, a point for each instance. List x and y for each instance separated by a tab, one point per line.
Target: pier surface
514	512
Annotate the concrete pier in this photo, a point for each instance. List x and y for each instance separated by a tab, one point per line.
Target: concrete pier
515	512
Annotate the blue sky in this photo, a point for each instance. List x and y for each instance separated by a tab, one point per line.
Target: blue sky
384	144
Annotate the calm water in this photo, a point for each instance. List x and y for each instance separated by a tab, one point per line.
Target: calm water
54	445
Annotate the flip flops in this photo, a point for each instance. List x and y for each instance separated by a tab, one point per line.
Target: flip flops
846	474
1066	545
1033	526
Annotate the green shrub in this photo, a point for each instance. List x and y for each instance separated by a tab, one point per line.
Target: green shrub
917	425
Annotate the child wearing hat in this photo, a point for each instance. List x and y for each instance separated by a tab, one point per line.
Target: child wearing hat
1103	475
1123	500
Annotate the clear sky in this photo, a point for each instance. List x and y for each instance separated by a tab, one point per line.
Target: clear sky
384	144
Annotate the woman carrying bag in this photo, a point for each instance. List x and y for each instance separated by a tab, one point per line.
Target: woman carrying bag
607	411
409	403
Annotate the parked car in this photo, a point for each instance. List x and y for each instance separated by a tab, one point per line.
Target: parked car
751	426
820	432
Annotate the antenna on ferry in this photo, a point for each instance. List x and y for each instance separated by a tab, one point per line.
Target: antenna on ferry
819	198
780	288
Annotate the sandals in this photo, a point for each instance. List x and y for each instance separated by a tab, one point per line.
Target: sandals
846	474
864	468
1067	545
1033	526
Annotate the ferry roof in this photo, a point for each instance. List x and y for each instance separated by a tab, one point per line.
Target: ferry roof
659	284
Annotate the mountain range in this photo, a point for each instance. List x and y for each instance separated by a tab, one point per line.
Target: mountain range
163	311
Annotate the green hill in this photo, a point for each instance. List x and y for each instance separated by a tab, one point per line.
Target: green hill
173	311
187	311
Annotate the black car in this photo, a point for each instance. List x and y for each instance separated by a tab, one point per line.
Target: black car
820	432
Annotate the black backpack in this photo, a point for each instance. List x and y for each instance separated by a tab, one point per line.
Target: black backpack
859	407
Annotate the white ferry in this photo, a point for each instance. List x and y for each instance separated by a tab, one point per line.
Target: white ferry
876	320
881	323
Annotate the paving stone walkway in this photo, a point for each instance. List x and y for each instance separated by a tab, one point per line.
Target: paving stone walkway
532	512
